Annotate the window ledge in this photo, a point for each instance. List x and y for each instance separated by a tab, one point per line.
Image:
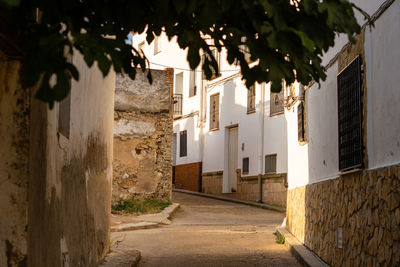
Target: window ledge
277	114
251	111
213	130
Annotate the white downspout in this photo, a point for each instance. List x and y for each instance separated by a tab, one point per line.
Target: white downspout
261	156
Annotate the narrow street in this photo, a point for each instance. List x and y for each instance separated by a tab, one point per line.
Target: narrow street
208	232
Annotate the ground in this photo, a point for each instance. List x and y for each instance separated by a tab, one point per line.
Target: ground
208	232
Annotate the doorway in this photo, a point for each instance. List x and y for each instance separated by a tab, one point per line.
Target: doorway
232	159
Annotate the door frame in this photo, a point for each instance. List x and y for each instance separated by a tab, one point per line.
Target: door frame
225	175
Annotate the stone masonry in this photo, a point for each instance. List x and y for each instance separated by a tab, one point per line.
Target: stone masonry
142	137
365	205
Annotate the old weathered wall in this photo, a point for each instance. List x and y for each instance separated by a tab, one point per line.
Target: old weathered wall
14	148
70	175
143	137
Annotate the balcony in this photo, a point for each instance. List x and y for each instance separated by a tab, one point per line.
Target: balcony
177	101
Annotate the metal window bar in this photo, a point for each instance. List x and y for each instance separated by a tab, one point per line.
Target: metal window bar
350	116
177	104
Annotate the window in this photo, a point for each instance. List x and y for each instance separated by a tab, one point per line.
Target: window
270	163
251	99
183	144
301	126
214	112
276	103
215	74
192	84
245	50
157	44
141	48
350	117
245	166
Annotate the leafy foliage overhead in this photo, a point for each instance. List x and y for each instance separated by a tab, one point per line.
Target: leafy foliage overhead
281	35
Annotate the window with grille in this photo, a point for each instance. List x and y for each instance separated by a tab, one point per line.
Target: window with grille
276	103
215	74
183	144
350	117
251	99
192	84
301	127
214	112
270	163
245	166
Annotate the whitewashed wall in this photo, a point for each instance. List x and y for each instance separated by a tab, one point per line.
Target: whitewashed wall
318	160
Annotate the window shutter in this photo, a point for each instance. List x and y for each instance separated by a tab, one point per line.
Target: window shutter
270	163
300	122
183	144
245	165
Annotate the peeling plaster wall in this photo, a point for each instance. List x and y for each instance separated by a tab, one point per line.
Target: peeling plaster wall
14	147
70	178
142	137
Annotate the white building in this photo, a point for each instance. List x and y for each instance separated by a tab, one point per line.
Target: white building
222	138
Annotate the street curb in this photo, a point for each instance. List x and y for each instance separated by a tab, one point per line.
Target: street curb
303	255
250	203
121	258
169	211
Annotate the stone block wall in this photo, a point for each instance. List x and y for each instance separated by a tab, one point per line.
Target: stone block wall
143	137
212	183
365	205
188	176
274	189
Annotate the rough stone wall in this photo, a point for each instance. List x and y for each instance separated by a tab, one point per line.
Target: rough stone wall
274	189
366	205
188	176
212	183
143	137
14	148
70	177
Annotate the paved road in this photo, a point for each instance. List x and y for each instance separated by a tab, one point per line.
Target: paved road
208	232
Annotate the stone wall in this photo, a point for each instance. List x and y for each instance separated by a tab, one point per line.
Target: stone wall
212	183
188	176
143	137
274	189
364	204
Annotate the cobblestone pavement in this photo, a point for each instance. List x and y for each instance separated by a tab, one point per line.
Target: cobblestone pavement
208	232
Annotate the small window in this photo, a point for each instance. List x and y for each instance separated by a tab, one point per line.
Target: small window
214	112
350	116
192	85
157	44
215	74
301	128
245	166
251	99
183	144
270	163
276	103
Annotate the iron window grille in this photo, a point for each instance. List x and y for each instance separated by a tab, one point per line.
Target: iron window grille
270	163
350	116
177	104
301	129
183	144
214	112
251	99
276	103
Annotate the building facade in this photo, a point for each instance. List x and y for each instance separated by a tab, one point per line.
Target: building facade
344	149
227	139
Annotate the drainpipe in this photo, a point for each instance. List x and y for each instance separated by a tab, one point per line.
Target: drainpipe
261	156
